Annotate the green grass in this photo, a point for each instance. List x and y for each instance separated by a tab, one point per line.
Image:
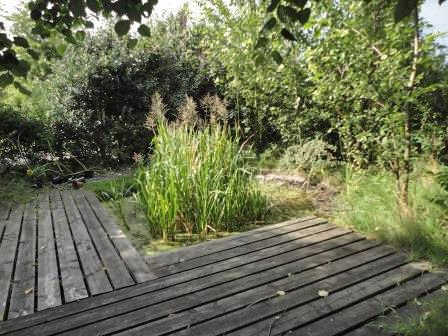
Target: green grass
368	204
198	182
112	189
432	322
16	188
284	202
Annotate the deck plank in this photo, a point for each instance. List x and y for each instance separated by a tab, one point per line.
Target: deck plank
4	211
295	317
160	291
134	261
291	233
238	295
222	244
267	282
72	280
94	272
368	309
153	292
384	325
48	287
23	290
8	251
114	266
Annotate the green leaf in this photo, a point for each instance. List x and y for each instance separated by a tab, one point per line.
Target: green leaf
304	15
35	14
288	35
21	68
149	6
404	8
34	54
144	30
271	23
6	79
22	89
60	49
77	7
80	35
132	43
134	14
298	3
259	60
94	5
286	13
21	42
122	27
277	57
89	24
5	42
261	42
273	5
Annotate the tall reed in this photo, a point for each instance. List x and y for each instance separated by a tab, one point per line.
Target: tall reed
198	181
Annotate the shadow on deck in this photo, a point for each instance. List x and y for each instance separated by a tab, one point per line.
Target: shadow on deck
301	277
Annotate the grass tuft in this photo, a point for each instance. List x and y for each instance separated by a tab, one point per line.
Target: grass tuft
369	205
197	181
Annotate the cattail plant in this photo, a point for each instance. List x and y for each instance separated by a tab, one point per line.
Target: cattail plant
198	180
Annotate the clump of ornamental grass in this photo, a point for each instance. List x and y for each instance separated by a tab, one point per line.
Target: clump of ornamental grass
197	180
369	204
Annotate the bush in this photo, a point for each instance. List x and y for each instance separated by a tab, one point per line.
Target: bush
197	181
369	204
22	140
309	156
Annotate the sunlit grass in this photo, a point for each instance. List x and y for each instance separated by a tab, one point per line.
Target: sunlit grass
369	205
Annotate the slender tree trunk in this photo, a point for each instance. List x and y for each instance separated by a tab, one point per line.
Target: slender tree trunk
403	185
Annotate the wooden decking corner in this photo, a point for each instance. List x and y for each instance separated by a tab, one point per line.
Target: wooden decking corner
300	277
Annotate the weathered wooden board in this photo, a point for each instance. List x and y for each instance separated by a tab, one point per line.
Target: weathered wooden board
23	290
48	286
271	281
8	252
72	279
133	260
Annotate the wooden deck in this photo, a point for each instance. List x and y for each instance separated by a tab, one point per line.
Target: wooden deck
269	281
59	249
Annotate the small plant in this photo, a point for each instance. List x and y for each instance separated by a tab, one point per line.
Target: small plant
309	156
114	192
197	181
118	191
433	322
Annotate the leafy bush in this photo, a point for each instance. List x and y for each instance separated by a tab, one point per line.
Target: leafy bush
369	204
197	181
310	156
22	140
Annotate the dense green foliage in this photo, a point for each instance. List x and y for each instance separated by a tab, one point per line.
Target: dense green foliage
344	82
198	179
102	86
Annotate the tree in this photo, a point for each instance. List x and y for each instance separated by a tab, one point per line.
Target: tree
69	18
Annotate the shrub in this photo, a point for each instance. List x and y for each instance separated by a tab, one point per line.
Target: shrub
22	140
197	181
309	156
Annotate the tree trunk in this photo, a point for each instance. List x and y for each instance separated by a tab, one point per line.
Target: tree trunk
403	185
